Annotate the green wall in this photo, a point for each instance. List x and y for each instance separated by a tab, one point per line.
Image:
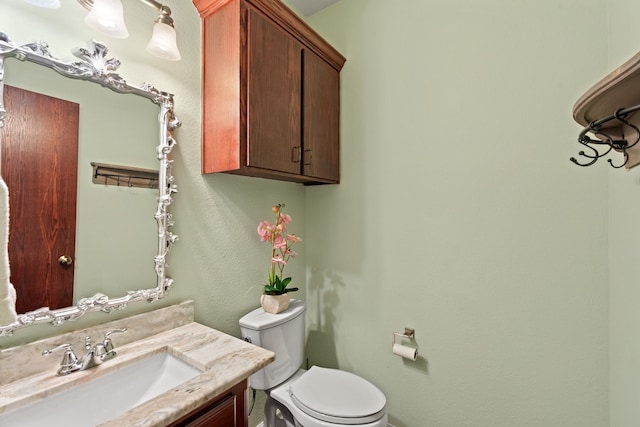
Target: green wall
460	215
624	243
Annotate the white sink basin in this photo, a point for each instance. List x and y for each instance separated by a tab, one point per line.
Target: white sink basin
106	397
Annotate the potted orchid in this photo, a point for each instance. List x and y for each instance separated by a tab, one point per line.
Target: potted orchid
275	298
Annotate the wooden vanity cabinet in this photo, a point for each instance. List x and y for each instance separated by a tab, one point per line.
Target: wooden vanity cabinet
271	93
225	410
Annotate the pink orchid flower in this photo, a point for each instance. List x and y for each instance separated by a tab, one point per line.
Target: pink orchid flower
280	249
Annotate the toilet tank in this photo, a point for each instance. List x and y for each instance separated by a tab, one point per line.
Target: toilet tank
282	333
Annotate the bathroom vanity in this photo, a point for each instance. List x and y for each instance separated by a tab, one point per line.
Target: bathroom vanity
215	396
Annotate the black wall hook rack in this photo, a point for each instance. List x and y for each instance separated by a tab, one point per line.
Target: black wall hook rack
614	132
125	176
605	132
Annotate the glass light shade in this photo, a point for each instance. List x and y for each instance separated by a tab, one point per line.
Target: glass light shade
107	16
163	42
51	4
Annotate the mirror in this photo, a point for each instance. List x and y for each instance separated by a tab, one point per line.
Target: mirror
100	270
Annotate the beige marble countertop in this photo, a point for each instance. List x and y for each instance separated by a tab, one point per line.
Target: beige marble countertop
224	361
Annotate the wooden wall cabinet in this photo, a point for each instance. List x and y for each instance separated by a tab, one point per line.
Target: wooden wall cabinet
225	410
271	93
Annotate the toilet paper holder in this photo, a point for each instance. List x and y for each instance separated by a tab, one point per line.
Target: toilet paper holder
401	350
408	333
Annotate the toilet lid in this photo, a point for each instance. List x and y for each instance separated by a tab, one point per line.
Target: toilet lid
337	396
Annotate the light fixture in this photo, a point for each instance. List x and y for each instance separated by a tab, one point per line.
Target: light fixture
163	42
107	16
51	4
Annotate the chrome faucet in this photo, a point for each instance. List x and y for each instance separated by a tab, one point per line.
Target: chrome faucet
94	354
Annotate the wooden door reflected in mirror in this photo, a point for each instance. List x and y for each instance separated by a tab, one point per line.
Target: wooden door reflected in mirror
39	165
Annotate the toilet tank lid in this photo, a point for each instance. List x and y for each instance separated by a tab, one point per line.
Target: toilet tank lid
259	319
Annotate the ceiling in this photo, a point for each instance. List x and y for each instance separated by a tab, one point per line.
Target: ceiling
309	7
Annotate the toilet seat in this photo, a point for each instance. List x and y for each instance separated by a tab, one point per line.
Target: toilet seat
337	397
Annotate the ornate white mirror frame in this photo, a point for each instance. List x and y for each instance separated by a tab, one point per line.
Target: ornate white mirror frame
94	66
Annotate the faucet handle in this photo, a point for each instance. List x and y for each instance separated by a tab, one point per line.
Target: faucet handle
69	360
114	331
108	344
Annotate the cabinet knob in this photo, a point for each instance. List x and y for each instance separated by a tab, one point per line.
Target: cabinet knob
296	154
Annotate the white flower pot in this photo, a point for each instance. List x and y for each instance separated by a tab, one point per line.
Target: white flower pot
275	303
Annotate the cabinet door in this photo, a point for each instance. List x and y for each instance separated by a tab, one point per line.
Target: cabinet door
273	97
222	415
225	410
321	125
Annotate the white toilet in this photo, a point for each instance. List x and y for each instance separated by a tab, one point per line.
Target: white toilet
319	397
